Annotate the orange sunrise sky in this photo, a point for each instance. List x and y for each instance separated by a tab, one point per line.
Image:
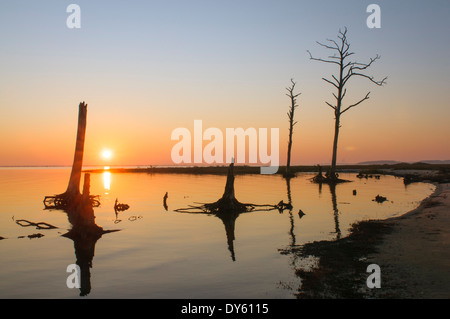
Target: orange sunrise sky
147	68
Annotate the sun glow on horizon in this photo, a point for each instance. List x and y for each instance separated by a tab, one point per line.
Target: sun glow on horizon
106	154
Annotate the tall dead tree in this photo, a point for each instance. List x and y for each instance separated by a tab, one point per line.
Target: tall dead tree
290	114
347	69
72	194
73	188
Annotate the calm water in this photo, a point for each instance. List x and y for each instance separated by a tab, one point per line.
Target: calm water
165	254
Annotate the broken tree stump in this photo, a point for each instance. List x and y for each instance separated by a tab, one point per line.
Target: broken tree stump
228	202
228	209
72	196
73	188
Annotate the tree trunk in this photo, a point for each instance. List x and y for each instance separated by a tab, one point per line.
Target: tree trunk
332	173
228	203
290	114
228	194
73	188
72	196
288	164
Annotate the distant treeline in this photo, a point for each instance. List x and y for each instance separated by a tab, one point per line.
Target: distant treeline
239	170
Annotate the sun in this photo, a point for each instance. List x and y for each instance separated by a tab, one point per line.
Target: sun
106	154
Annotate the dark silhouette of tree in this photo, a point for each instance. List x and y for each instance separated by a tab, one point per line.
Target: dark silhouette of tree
72	196
73	188
347	69
290	114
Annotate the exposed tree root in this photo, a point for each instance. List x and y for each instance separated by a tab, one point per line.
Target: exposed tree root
228	202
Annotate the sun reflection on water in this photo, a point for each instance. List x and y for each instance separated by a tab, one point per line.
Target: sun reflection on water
107	180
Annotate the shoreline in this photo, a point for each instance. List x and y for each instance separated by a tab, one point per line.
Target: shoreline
412	250
415	257
413	171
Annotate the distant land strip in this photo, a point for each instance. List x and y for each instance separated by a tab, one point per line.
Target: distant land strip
244	169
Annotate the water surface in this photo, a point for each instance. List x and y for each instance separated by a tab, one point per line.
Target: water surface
160	253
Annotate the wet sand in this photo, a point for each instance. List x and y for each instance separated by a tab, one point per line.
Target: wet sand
415	256
412	250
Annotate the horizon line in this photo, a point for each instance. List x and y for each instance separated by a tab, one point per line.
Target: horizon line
373	162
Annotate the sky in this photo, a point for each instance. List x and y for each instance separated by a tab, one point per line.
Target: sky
146	68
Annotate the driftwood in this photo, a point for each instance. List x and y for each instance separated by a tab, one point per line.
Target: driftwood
40	225
165	201
38	235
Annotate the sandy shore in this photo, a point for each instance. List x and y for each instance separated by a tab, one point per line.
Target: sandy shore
415	256
412	250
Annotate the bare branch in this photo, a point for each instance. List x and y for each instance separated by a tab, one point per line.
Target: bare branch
337	81
343	94
371	78
291	91
321	60
364	66
356	104
333	107
336	46
334	84
327	46
334	57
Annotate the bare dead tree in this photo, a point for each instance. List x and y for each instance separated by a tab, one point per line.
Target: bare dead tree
72	195
73	188
347	69
293	97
